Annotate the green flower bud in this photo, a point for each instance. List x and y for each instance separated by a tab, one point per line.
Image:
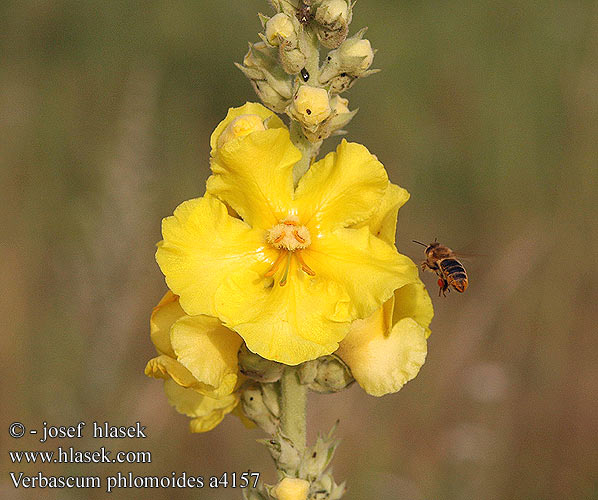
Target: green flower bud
280	27
258	406
326	489
284	453
332	375
257	368
289	7
318	457
270	82
333	18
350	61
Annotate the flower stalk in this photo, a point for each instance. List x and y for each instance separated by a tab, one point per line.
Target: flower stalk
293	408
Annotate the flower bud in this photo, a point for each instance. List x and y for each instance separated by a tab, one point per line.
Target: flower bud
240	127
284	453
339	105
291	488
358	50
260	406
333	18
286	6
332	375
280	27
350	61
257	368
310	106
293	59
270	82
269	96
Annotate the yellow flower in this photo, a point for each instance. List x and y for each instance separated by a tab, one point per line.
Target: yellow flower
297	266
291	488
197	357
387	349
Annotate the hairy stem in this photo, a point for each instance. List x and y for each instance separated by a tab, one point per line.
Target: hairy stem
293	408
308	150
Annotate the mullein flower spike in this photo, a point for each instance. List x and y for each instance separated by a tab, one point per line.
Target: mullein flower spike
284	276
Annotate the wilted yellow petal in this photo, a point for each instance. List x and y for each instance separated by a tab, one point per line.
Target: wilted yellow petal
249	108
167	368
365	266
202	245
163	316
343	188
381	363
209	351
290	324
206	412
254	176
383	221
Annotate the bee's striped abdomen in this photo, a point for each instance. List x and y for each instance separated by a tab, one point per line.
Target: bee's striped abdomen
454	273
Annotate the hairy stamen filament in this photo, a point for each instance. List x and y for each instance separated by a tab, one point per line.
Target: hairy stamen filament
283	281
276	264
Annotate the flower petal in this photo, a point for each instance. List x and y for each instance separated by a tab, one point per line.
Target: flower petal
343	188
291	324
383	221
365	266
207	412
249	108
413	301
202	245
163	316
167	368
209	351
253	174
380	363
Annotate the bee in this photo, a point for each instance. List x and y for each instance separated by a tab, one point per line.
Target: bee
443	262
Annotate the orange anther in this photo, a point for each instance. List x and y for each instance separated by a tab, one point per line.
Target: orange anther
304	267
297	237
279	239
290	223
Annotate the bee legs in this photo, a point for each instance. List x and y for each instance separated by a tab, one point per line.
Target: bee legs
443	287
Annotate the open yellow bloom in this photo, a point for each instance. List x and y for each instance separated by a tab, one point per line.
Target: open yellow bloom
291	268
387	349
197	357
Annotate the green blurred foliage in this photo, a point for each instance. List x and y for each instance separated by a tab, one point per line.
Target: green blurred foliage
485	111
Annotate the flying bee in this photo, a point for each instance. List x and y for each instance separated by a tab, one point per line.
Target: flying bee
442	260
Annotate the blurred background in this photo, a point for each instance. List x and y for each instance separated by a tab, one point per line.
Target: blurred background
486	111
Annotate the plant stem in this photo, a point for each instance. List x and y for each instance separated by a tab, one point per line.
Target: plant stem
293	408
308	150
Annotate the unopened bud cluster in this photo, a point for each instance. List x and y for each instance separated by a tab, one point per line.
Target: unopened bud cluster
285	70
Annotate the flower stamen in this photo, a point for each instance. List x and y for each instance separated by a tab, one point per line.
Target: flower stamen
304	267
283	281
276	265
298	237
